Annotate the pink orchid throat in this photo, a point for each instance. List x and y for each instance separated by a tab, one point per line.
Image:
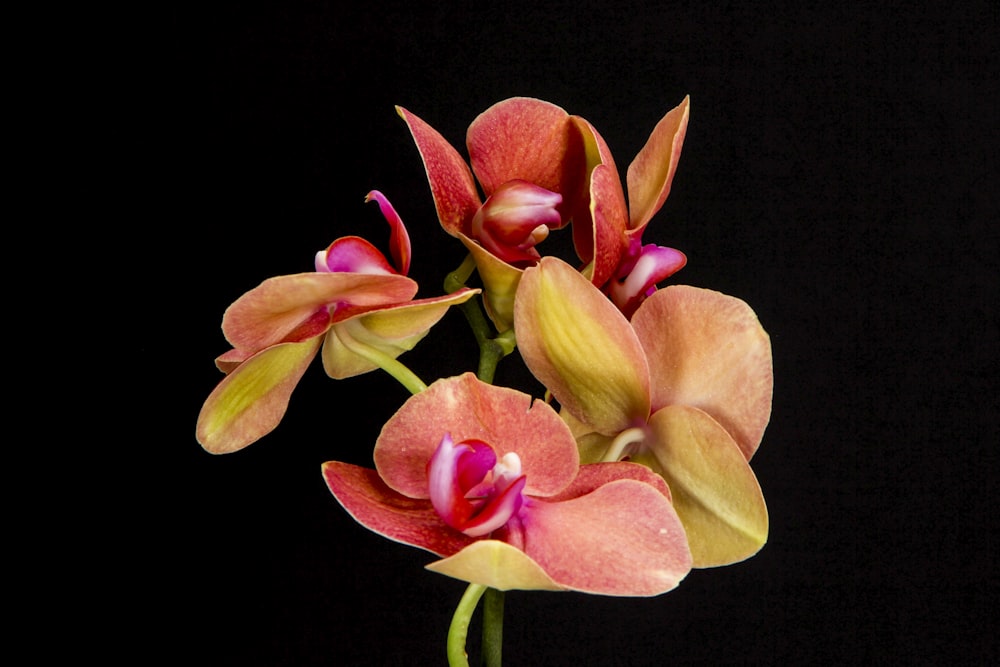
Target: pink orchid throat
471	490
514	219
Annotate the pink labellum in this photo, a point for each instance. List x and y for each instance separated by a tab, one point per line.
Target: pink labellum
352	254
514	219
459	492
653	264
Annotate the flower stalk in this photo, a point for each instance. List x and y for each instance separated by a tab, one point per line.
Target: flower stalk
458	632
491	348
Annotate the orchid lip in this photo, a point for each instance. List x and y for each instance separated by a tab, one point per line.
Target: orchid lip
515	218
652	264
462	495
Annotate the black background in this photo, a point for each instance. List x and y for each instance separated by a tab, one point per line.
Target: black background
839	175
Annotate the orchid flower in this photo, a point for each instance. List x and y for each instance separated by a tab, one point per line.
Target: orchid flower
490	481
541	168
684	388
357	306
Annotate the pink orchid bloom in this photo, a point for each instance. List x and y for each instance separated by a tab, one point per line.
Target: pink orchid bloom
356	306
541	168
684	388
490	481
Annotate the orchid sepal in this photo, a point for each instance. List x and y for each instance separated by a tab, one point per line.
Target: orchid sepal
651	173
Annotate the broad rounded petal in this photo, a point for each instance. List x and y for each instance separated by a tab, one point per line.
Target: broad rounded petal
527	139
715	491
500	281
391	331
451	181
468	409
624	538
252	399
497	565
380	509
293	308
650	174
577	343
708	350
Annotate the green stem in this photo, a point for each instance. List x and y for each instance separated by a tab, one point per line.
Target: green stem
392	366
459	630
493	628
491	348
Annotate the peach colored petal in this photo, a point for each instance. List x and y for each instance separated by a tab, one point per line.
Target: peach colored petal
377	507
528	139
577	343
497	565
593	476
600	215
607	210
392	331
252	399
451	180
708	350
467	409
623	538
715	492
651	173
295	307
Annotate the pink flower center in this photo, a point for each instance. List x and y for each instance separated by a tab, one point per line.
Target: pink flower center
472	491
515	218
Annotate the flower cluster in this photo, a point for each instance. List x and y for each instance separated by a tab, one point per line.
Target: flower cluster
634	467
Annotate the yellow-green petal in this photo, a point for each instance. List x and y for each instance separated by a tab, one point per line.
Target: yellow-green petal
390	331
578	344
500	281
715	492
252	399
497	565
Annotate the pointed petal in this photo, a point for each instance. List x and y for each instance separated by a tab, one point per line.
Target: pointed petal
580	347
252	399
500	281
650	174
399	239
607	207
380	509
708	350
623	538
528	139
715	491
497	565
451	181
468	409
392	331
293	308
600	216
